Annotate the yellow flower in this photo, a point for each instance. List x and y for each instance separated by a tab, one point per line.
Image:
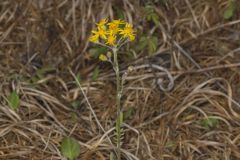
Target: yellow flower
119	21
128	32
131	37
102	23
102	57
111	40
113	31
94	38
114	24
101	33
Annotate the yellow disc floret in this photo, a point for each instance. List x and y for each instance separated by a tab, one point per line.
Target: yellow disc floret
111	40
114	26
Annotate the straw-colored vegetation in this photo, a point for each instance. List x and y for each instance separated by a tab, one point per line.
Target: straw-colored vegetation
180	100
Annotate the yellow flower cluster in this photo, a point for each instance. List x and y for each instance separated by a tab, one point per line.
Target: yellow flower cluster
112	31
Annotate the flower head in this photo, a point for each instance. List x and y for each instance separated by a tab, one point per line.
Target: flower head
100	33
114	25
111	40
127	32
112	33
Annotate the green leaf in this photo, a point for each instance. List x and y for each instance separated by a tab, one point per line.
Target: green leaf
13	100
229	12
75	104
151	15
78	77
129	113
143	39
152	45
209	122
70	148
95	74
112	156
150	42
121	118
119	122
143	42
41	73
95	52
74	117
155	19
148	10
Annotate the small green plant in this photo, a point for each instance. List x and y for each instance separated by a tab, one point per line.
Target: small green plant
70	148
41	74
151	15
229	12
209	122
76	104
149	42
113	35
13	101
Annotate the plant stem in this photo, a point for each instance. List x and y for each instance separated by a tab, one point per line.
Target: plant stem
118	101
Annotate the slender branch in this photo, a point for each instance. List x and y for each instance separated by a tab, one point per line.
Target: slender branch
104	45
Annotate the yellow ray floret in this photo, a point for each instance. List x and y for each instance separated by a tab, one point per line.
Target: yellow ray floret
102	23
94	38
113	25
100	33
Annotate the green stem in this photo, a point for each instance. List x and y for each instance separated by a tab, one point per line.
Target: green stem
118	100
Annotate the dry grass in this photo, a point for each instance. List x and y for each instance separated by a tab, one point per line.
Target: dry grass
193	74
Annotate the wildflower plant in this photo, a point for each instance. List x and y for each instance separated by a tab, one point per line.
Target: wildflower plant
114	35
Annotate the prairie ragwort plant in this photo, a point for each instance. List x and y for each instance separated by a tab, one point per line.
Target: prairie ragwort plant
114	35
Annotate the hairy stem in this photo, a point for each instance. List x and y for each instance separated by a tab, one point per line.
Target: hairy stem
118	101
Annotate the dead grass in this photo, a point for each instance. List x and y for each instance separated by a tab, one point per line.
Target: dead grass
193	75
